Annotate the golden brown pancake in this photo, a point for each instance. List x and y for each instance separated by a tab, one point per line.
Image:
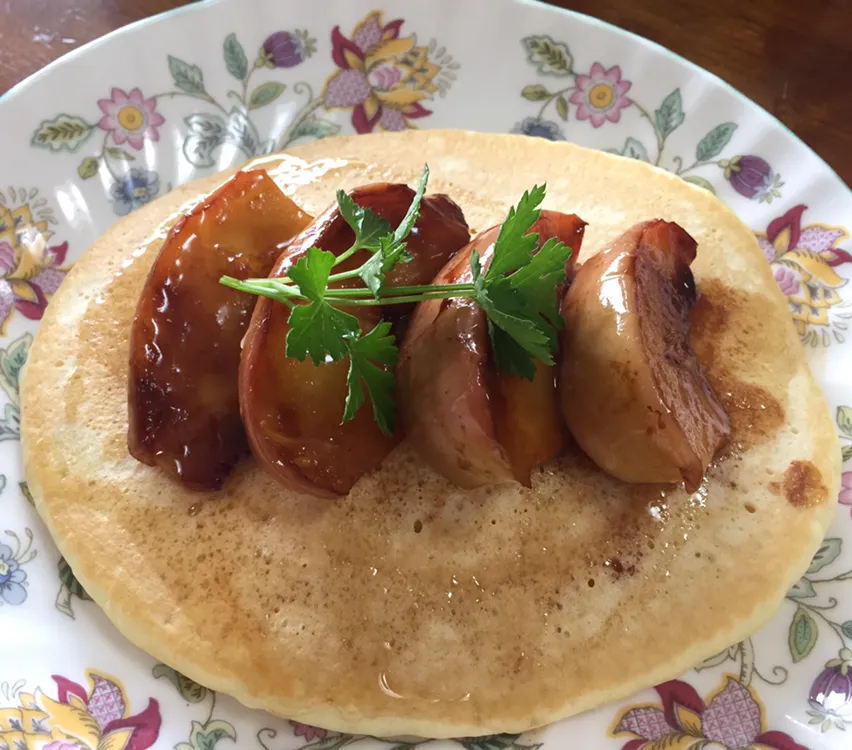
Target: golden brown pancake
413	607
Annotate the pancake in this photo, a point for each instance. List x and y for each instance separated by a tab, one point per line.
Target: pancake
411	606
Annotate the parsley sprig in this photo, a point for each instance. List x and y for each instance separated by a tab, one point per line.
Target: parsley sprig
517	292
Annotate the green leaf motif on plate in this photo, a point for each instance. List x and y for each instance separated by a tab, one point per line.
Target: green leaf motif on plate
66	575
562	107
314	127
802	589
846	627
846	453
62	132
844	420
12	360
207	736
803	634
265	94
494	742
10	423
206	133
535	93
69	588
634	149
187	77
235	57
827	553
189	689
728	654
711	145
120	154
551	58
700	182
88	168
25	491
669	117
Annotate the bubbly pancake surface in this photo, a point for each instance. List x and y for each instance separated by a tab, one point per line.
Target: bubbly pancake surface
413	607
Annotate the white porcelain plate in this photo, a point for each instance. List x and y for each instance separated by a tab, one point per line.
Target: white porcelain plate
111	126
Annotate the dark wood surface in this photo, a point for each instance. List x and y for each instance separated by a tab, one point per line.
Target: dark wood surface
793	57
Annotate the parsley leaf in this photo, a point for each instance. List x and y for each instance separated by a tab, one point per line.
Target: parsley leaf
514	246
372	272
506	309
368	226
366	357
311	272
391	248
320	330
316	328
520	299
538	281
413	213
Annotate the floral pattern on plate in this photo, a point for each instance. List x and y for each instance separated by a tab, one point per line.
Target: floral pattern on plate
30	269
601	96
383	78
256	85
804	259
732	718
96	717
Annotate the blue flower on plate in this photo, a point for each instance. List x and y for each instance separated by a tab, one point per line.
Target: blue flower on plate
539	128
12	578
135	189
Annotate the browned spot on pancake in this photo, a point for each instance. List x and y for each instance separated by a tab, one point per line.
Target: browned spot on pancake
802	485
731	330
618	568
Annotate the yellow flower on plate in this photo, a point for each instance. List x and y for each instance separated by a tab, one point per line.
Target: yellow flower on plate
804	260
94	719
30	269
383	77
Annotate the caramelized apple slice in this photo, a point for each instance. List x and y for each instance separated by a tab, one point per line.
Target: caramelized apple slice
291	409
474	425
632	391
185	340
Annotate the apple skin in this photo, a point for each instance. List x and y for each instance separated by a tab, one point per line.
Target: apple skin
473	425
631	390
183	403
292	410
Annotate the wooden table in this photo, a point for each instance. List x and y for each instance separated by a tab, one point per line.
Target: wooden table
793	57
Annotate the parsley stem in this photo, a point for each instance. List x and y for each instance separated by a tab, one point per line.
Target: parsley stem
403	300
272	288
387	293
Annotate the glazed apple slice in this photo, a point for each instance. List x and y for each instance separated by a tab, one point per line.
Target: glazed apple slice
631	390
292	410
185	339
472	424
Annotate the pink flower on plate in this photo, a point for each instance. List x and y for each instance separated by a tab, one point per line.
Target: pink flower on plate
307	731
130	117
846	488
601	95
729	719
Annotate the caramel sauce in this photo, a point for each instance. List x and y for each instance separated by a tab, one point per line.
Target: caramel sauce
185	339
726	334
802	486
292	410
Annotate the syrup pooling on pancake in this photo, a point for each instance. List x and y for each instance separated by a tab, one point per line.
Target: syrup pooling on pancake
632	391
292	409
472	423
184	350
